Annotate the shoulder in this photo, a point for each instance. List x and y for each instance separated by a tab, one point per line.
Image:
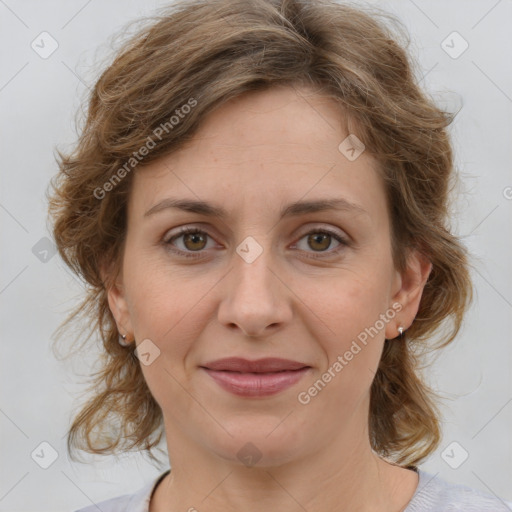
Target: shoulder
117	504
137	501
434	493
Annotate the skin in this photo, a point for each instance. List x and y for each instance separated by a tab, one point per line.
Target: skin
252	156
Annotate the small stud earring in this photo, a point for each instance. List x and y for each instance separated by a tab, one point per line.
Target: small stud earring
122	340
401	331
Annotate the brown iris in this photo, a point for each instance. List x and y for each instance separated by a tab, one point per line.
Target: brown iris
320	238
194	238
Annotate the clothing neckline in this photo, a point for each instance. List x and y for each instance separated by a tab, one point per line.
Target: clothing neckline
153	486
149	490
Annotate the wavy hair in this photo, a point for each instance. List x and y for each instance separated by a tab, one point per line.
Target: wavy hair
210	51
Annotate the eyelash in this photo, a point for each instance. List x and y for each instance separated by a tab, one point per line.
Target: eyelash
189	230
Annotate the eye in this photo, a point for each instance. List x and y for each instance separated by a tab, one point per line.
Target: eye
194	241
320	240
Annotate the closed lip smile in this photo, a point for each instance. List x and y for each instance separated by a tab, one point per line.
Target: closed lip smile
261	377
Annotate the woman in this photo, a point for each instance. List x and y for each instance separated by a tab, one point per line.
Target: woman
258	203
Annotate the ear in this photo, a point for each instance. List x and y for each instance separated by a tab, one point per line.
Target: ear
407	290
117	301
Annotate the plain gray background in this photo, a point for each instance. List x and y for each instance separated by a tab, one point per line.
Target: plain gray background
39	98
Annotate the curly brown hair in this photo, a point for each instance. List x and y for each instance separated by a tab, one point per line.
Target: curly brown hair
203	53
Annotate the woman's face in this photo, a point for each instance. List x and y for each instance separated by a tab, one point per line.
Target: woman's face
255	284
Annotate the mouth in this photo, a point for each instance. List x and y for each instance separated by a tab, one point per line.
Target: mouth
260	378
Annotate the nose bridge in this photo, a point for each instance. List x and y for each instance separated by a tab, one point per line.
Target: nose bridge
254	298
253	263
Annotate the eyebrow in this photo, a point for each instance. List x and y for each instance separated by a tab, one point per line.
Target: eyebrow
291	210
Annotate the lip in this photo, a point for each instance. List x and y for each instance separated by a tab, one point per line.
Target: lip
265	365
263	377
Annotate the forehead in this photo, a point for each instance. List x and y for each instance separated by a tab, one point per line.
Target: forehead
262	150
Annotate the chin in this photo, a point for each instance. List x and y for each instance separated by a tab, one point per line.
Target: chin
258	442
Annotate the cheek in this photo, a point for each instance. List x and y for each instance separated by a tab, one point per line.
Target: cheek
167	305
347	304
167	309
351	347
346	324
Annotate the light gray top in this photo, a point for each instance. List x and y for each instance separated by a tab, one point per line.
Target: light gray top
432	495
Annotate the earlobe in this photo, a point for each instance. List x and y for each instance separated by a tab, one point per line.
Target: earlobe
412	282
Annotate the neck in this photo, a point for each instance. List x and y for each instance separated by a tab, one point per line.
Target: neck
342	476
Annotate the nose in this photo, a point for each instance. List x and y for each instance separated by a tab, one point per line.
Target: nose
255	298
